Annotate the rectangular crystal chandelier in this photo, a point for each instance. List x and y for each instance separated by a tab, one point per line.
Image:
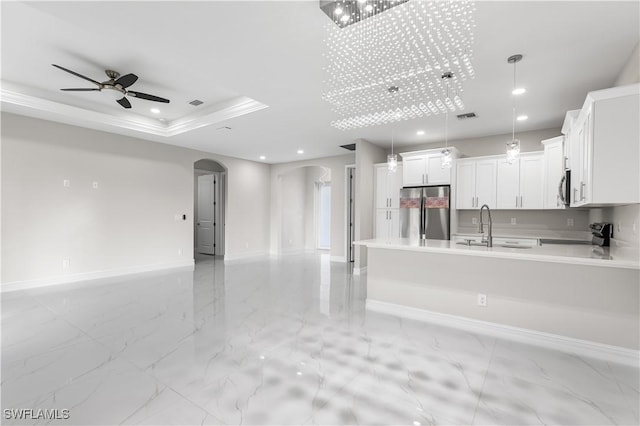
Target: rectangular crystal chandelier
389	67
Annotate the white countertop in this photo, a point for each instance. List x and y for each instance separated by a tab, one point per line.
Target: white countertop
614	257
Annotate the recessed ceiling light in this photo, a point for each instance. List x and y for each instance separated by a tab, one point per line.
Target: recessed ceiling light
522	117
519	91
300	151
420	132
155	110
262	157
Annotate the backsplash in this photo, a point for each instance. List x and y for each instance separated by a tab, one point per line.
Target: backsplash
625	220
572	224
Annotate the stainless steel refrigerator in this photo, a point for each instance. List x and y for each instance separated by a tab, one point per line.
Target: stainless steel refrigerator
424	213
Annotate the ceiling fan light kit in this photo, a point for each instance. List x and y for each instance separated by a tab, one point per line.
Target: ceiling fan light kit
116	86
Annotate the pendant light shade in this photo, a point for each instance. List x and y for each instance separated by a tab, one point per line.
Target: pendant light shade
513	146
392	159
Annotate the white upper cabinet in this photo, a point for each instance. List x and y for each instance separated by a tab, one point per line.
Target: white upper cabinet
388	187
387	191
520	184
476	182
425	168
554	161
604	157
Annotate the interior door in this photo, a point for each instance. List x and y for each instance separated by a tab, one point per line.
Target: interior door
206	215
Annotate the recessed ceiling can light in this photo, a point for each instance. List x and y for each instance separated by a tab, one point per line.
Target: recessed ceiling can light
420	132
519	91
262	157
300	151
522	117
155	110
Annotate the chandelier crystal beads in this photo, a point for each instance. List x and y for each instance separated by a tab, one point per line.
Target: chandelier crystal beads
407	47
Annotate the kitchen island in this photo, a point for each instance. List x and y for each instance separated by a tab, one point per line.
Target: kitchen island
567	295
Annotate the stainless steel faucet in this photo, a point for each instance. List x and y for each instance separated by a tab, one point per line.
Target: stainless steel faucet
489	240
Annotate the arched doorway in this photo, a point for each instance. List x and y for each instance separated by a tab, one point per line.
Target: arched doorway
209	210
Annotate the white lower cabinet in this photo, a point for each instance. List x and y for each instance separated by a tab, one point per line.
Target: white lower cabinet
387	223
520	184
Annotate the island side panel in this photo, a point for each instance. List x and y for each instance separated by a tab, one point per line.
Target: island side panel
586	302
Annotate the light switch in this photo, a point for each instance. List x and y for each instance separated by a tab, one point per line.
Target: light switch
513	220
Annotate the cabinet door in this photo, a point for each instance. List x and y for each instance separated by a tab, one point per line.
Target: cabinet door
508	185
531	181
553	172
382	198
466	185
585	158
413	171
394	223
436	174
394	184
486	171
382	223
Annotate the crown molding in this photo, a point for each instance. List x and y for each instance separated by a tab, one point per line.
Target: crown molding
67	113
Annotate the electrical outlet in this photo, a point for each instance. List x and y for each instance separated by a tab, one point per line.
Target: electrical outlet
95	184
569	221
482	299
66	263
474	220
513	220
66	183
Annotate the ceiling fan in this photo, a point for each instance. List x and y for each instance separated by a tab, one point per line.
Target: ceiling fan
116	85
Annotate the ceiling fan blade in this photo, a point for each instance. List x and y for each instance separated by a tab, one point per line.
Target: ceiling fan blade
81	90
124	102
147	97
126	80
77	75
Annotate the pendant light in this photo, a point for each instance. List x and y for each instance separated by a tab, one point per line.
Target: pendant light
446	152
392	159
513	146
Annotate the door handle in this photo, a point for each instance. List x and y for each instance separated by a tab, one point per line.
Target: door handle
472	202
582	186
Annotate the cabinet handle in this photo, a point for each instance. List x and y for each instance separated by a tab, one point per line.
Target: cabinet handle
472	202
516	201
521	201
477	202
574	194
426	178
582	185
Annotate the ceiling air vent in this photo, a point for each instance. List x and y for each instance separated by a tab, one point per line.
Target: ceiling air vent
467	115
350	147
196	102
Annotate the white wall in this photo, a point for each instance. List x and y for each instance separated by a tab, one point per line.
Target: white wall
128	222
367	155
294	219
336	165
630	72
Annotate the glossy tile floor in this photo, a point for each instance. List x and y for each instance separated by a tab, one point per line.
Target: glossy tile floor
284	341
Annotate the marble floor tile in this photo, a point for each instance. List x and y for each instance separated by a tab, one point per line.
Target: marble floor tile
279	341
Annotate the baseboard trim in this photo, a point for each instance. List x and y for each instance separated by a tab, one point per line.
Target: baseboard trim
96	275
360	271
579	347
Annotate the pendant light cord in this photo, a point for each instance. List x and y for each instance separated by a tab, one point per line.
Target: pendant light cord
513	104
446	121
